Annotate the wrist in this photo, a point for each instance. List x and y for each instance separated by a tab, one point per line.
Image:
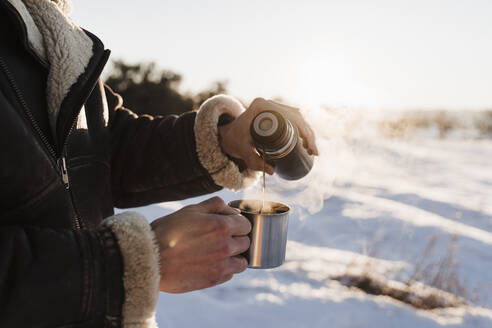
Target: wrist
225	139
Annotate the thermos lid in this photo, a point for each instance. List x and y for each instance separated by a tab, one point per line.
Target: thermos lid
265	124
268	129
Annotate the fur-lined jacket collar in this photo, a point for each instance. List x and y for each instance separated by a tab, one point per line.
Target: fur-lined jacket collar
57	42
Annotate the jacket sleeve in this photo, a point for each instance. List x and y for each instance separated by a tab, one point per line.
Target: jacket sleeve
59	277
156	159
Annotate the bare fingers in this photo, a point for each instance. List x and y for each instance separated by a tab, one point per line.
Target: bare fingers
225	270
294	114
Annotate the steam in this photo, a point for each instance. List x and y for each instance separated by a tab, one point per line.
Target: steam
338	132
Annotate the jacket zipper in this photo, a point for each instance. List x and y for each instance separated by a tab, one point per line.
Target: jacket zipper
77	223
59	163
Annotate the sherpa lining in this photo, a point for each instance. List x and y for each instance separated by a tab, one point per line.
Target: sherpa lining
140	268
67	49
224	172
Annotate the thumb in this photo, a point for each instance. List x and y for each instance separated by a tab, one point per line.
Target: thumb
255	162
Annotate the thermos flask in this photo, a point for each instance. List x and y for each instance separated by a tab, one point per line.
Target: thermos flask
277	140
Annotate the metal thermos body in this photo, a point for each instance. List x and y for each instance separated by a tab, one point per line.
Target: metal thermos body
277	140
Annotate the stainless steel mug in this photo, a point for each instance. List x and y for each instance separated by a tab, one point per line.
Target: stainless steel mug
268	233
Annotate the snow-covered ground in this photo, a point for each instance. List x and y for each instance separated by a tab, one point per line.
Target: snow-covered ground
397	208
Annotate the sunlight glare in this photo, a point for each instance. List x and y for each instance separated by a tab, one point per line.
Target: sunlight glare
332	82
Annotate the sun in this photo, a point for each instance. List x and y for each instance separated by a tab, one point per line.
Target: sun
331	81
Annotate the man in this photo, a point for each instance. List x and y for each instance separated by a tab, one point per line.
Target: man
71	153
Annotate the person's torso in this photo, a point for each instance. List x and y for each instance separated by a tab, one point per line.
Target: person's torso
62	180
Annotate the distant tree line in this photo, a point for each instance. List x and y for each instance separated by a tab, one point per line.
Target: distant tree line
478	123
147	89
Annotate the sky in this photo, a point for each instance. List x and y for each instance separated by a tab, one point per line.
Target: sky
382	54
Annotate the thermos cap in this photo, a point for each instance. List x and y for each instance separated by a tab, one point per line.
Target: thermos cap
270	131
265	124
277	140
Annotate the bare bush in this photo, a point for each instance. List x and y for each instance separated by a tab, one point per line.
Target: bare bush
419	296
431	284
410	123
397	129
442	273
484	124
445	123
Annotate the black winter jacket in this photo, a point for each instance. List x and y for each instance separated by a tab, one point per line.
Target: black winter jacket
58	266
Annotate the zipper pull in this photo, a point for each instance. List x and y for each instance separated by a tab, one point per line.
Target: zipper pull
64	173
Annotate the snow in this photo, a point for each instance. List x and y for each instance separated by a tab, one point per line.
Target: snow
370	204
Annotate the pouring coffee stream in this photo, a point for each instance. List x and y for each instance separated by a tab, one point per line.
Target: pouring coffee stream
264	187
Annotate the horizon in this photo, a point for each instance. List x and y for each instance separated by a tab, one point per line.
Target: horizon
383	55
